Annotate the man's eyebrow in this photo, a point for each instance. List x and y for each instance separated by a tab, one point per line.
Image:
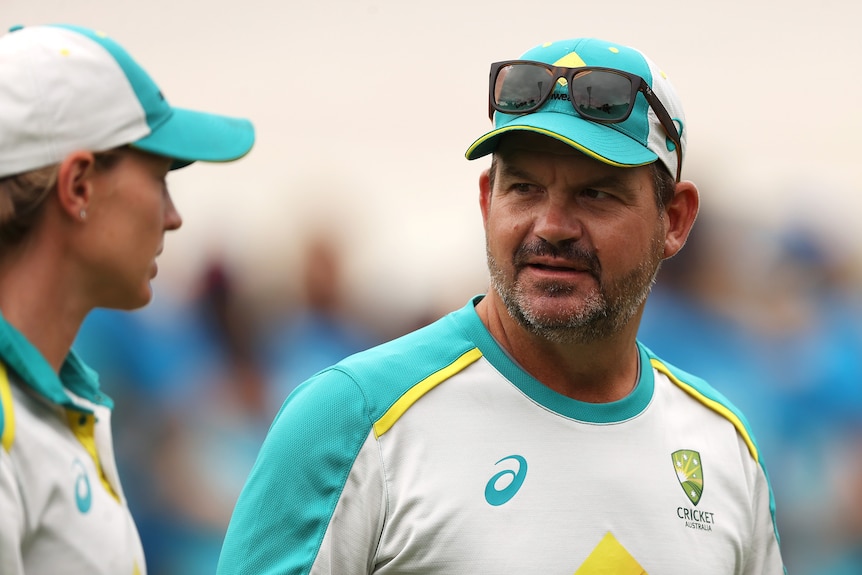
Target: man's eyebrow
614	180
513	172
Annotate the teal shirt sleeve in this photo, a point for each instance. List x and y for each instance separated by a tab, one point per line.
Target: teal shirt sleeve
285	508
315	500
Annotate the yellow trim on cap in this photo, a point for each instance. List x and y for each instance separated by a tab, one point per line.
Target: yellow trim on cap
413	394
8	433
713	405
572	143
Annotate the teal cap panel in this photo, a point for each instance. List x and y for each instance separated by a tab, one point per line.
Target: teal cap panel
152	100
593	52
190	136
184	135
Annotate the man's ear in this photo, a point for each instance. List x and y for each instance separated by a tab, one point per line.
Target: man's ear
75	183
485	193
680	214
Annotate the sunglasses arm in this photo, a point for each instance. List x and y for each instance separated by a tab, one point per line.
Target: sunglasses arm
667	123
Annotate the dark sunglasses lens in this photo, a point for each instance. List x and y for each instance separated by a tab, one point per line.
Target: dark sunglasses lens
521	88
601	95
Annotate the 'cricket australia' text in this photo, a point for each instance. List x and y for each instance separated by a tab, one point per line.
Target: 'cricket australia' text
696	519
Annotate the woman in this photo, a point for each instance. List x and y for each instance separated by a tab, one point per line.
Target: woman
86	142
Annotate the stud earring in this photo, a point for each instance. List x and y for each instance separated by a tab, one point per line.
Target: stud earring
83	214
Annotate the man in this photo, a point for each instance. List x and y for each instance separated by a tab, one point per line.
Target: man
529	432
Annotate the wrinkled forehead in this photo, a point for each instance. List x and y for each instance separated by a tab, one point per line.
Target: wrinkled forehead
526	154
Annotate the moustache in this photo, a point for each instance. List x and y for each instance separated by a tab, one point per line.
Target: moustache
570	252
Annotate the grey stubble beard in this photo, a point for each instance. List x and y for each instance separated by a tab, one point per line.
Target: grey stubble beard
604	311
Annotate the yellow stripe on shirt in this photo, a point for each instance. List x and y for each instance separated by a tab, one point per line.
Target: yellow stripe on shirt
713	405
7	434
413	394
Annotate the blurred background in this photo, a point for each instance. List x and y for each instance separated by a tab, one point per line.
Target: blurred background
355	219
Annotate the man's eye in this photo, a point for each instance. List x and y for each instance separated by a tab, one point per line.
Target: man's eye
594	194
524	188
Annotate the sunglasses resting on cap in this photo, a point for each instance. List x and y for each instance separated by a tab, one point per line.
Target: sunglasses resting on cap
598	94
607	100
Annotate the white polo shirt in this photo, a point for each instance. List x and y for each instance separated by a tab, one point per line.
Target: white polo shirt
62	509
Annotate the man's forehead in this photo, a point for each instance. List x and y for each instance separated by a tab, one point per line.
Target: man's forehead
519	145
527	154
519	150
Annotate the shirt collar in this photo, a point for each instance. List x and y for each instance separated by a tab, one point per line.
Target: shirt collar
35	372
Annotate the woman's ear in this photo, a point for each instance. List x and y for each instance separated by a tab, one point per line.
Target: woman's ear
680	212
75	183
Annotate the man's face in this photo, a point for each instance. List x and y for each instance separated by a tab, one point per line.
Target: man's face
573	244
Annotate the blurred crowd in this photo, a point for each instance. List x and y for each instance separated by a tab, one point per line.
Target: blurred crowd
772	318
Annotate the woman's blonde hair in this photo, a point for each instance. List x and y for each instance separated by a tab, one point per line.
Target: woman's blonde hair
22	197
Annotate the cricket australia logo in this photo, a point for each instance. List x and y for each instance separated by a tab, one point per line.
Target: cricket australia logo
689	473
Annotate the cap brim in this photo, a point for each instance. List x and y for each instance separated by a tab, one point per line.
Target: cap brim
189	136
601	142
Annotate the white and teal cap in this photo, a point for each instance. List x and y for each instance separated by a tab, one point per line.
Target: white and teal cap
66	88
637	141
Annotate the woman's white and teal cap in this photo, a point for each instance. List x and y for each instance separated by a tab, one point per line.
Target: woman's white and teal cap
66	88
638	141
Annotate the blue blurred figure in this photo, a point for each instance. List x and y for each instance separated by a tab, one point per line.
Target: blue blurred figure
319	331
187	376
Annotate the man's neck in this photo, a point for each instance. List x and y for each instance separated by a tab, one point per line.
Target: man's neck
594	372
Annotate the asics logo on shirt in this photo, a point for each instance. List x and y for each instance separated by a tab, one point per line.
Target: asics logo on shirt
83	493
503	486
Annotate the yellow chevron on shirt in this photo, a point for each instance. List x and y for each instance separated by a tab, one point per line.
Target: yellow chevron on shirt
609	556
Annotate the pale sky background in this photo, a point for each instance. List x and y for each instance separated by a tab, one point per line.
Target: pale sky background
364	109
